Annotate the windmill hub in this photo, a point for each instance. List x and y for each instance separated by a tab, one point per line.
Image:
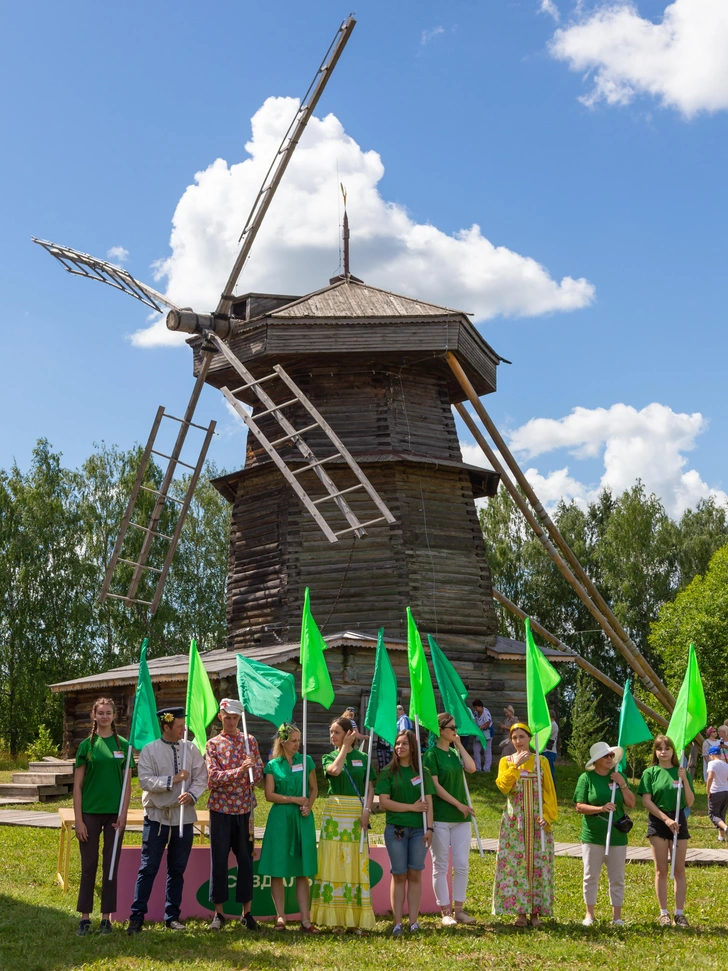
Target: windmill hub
188	322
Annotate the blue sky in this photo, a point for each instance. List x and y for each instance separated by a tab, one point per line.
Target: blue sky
587	142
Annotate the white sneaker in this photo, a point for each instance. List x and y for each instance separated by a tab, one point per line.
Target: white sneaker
588	921
448	921
618	922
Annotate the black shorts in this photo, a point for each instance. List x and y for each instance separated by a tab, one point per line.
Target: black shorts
656	827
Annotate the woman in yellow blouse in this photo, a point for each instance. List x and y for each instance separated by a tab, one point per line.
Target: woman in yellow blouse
524	873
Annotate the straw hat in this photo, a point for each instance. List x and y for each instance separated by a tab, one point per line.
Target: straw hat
599	750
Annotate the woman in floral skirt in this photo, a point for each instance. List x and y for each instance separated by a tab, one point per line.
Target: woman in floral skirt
340	893
524	873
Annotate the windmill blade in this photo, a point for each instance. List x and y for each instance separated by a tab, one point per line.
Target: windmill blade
283	157
81	264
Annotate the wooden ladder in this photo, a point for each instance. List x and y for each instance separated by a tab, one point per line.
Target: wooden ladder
294	435
151	530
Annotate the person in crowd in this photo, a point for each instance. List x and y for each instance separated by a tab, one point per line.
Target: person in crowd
594	800
551	748
524	873
717	789
231	759
447	760
97	788
350	713
509	718
289	843
405	836
711	738
384	753
341	892
404	722
161	778
659	788
483	757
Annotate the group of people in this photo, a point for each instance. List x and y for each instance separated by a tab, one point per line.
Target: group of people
427	806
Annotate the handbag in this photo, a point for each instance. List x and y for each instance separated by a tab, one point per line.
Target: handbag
624	824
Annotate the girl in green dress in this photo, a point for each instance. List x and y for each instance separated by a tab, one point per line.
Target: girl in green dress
289	843
341	891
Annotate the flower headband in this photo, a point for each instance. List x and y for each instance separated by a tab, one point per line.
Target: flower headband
284	732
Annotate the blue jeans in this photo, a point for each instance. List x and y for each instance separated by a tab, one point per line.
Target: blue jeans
154	840
551	757
407	853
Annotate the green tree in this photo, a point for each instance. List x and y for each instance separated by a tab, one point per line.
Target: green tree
702	531
587	727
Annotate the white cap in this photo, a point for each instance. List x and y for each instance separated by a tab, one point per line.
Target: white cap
232	706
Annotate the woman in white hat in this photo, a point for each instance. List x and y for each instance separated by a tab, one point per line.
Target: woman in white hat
594	800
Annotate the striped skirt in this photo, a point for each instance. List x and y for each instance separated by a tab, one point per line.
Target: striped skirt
340	896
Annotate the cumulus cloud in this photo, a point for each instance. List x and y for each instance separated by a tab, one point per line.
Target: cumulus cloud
649	445
118	253
680	60
297	249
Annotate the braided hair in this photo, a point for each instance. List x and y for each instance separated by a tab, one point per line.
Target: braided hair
92	736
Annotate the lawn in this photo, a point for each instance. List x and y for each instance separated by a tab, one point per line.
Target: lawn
37	920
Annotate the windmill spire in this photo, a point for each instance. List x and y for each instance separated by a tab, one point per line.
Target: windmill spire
347	268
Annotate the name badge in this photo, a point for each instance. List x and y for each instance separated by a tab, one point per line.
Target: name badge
358	763
118	755
416	780
676	785
297	768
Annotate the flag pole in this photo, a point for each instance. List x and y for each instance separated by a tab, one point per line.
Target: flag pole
472	814
184	783
365	832
677	819
540	793
422	770
613	790
127	770
247	746
304	737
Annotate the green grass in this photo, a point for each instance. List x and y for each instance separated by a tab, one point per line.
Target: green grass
38	920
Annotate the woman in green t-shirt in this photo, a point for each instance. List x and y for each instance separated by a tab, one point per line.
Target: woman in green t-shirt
451	814
97	785
289	843
341	894
399	788
602	790
659	787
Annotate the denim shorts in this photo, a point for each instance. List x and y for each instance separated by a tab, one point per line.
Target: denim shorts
407	853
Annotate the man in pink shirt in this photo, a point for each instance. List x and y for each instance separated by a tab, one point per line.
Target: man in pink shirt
231	759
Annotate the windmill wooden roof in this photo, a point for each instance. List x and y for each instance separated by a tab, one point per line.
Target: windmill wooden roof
349	298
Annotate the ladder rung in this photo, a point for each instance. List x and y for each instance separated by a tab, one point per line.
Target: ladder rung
177	461
182	422
119	596
335	495
299	431
140	565
156	492
269	411
312	465
147	530
253	384
369	522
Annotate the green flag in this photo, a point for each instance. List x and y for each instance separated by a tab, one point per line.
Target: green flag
144	721
315	681
453	693
633	729
690	715
541	677
265	691
381	713
422	700
202	705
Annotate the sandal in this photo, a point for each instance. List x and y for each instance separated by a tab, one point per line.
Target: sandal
280	925
536	921
521	921
309	928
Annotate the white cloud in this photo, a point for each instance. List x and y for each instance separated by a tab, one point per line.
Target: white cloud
647	445
680	60
427	35
118	253
549	7
297	248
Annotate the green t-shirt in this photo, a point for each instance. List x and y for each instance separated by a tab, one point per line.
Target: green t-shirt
101	792
594	790
356	763
446	766
660	784
401	787
287	779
